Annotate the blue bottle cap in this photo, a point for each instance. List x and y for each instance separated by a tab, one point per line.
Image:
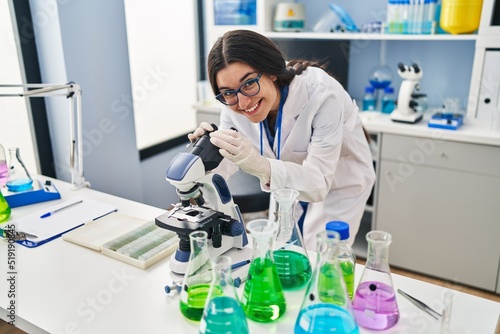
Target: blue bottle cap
369	89
339	226
389	90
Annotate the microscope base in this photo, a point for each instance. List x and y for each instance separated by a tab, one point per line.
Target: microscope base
412	118
179	260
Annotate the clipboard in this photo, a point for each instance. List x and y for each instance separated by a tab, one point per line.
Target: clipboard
42	230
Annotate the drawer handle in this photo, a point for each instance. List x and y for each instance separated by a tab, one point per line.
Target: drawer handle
442	155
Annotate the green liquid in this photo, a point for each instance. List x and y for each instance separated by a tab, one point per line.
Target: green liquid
348	272
224	315
330	287
294	269
263	299
4	209
197	295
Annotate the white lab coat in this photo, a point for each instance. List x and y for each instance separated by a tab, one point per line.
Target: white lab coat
324	153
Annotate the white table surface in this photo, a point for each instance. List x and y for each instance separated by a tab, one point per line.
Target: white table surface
65	288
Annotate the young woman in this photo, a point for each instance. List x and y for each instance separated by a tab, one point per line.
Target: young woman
296	128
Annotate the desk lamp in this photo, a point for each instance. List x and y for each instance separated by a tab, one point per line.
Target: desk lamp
73	93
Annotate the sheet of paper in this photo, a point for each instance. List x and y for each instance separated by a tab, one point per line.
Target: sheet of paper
63	220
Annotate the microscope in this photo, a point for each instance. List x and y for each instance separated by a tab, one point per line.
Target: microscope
408	109
205	204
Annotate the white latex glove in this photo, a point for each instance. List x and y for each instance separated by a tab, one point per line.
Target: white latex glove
200	130
237	148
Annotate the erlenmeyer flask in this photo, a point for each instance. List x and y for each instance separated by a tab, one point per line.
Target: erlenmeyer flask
19	178
290	255
4	169
197	279
263	298
223	312
326	307
4	209
375	305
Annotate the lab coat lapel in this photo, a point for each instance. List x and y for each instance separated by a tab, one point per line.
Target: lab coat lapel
291	111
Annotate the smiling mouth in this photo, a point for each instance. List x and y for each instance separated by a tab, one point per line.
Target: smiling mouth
252	109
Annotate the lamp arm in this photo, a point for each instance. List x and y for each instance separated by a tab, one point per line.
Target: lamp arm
73	93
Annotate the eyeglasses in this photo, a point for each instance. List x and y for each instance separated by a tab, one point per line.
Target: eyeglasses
248	88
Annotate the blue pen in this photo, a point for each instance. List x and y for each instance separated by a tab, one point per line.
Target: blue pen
239	264
48	214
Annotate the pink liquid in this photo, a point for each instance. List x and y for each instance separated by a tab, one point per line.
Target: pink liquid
375	306
4	172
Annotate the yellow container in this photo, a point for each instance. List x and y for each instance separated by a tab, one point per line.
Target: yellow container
460	16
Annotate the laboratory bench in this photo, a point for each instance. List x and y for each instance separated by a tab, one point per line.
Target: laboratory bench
62	287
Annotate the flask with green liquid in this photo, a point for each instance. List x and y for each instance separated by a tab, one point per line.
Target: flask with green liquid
4	209
290	255
196	283
223	312
347	259
263	298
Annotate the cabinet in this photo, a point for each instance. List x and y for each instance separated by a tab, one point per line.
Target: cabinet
439	200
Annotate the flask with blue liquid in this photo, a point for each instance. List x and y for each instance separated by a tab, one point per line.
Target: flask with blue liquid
326	307
19	178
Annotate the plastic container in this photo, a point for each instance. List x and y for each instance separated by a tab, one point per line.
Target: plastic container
388	101
369	99
460	16
346	257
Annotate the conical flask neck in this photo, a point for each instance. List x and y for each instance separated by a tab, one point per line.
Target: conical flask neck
378	251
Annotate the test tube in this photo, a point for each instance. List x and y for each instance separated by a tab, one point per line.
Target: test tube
447	306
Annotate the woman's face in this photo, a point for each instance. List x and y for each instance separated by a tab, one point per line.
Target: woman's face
257	107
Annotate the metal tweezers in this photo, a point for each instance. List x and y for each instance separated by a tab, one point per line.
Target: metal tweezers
421	305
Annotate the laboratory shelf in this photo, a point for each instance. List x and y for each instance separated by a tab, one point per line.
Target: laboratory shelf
369	36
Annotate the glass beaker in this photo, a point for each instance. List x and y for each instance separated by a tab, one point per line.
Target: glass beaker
263	298
223	312
290	255
375	305
4	209
19	178
4	169
197	278
326	307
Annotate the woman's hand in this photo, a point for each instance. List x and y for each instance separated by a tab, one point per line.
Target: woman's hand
237	148
200	130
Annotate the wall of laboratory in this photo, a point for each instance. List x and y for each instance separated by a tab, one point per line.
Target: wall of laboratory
15	129
86	42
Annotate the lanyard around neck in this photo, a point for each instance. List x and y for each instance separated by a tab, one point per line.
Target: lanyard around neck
277	126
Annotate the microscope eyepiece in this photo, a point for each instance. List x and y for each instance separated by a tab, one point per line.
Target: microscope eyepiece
208	152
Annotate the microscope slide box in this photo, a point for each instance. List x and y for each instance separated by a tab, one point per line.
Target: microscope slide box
39	193
100	234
